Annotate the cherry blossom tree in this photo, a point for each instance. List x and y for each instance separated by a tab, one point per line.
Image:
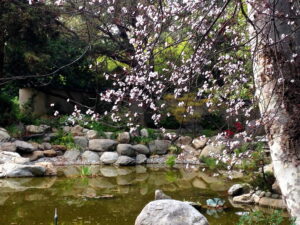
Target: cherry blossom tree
214	41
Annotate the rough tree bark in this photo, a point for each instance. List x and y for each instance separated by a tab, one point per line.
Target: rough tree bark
276	52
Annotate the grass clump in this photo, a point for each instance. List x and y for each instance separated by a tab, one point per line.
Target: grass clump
65	139
171	160
260	218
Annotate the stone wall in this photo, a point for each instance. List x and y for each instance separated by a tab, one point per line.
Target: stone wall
39	101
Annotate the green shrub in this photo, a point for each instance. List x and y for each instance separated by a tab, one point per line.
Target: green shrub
171	160
260	218
66	139
8	110
213	163
262	181
174	149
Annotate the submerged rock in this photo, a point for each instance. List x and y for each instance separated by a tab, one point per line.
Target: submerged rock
170	212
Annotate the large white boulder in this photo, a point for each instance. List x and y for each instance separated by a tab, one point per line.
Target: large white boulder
170	212
18	170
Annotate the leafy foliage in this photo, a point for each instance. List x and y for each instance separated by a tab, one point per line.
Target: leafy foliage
260	218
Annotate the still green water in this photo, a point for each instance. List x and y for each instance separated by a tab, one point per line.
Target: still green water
31	201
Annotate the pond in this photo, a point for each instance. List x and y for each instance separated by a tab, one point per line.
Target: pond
114	196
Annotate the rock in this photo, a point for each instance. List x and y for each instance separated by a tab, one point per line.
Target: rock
109	157
18	170
37	129
81	141
50	169
24	147
108	135
170	212
211	149
159	147
67	129
4	136
49	136
125	149
36	155
123	137
141	159
271	202
262	194
239	189
183	140
102	145
59	148
275	188
125	161
244	199
90	157
269	168
77	130
268	194
8	146
256	198
275	196
72	155
199	143
142	149
144	132
159	194
12	157
92	134
50	153
47	146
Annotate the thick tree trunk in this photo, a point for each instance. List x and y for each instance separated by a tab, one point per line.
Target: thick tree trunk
277	78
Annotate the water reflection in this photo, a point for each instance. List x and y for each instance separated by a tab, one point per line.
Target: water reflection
112	196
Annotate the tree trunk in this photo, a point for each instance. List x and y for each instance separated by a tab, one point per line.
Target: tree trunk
276	55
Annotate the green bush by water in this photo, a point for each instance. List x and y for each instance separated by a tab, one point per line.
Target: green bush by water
260	218
171	160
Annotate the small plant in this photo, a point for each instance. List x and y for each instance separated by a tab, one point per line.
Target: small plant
213	163
85	171
141	140
260	218
174	149
65	139
171	160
